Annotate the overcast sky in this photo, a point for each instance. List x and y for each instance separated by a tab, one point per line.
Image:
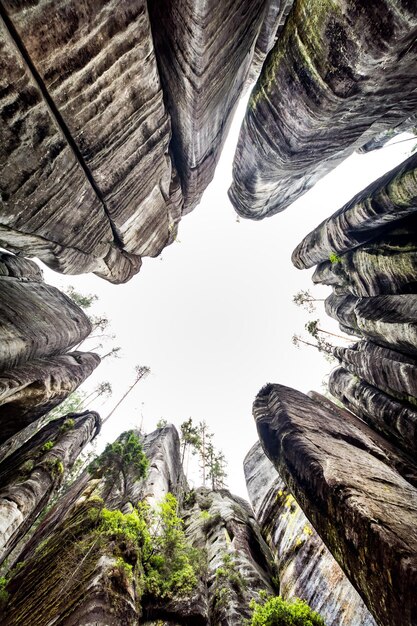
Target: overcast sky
213	316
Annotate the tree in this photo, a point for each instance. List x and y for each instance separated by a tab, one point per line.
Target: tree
322	346
216	465
84	301
306	300
313	328
189	437
141	372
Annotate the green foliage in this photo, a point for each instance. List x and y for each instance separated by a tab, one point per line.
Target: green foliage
161	423
278	612
230	573
67	425
27	467
124	455
48	445
126	569
83	300
171	565
4	595
334	258
128	527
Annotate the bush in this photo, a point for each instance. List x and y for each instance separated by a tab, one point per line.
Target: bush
278	612
124	455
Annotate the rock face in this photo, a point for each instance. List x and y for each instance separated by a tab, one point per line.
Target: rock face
357	491
37	320
367	216
88	586
306	569
339	73
29	391
30	475
204	52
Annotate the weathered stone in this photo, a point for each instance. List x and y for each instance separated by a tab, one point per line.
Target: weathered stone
29	476
97	63
204	53
388	370
29	391
346	480
368	215
340	72
306	569
387	320
379	140
392	418
275	15
48	208
382	267
37	321
224	526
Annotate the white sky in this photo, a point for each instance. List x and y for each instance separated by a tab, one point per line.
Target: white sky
213	316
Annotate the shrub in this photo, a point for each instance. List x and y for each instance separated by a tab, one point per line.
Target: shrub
48	445
278	612
124	455
334	258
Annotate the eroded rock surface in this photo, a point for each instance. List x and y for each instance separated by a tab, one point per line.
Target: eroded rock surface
37	320
306	569
32	473
339	73
29	391
368	215
204	53
348	483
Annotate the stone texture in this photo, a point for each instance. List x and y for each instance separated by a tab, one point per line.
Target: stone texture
347	481
367	216
276	12
388	370
29	391
204	52
387	320
97	63
30	475
306	569
37	320
339	73
229	528
386	266
390	417
381	139
48	207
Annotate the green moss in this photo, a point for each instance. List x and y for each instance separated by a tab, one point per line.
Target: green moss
67	425
47	446
334	258
4	595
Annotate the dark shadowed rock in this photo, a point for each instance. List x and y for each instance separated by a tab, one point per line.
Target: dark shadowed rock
204	53
97	63
29	391
30	475
380	139
339	73
346	481
392	418
306	569
387	320
365	217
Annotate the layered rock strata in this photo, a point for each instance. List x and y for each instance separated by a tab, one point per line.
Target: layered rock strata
30	475
37	320
367	216
29	391
339	73
204	52
357	491
88	586
387	415
306	568
98	67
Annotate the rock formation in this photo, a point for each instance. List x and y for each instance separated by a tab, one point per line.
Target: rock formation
355	488
30	475
29	391
90	584
338	74
306	569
